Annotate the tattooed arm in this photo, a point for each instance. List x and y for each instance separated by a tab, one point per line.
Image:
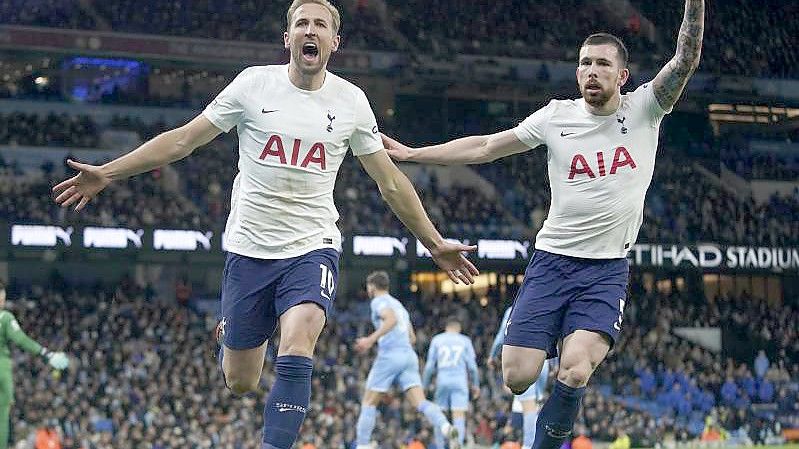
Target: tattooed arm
670	82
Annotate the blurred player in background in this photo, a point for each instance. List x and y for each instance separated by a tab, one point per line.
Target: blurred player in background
451	357
601	157
396	363
10	332
528	403
295	124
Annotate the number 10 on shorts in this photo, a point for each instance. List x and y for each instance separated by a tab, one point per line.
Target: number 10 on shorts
327	282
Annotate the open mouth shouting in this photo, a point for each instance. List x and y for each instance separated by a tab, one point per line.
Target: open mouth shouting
310	52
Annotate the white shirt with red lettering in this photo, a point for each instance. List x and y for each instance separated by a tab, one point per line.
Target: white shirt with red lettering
291	145
600	168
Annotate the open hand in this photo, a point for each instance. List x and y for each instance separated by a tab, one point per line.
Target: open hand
449	256
82	187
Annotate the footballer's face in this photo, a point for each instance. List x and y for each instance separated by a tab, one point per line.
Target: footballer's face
600	73
311	38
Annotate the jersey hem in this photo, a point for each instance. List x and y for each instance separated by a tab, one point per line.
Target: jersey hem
231	248
580	254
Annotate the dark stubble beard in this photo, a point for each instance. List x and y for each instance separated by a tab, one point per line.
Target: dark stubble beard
597	101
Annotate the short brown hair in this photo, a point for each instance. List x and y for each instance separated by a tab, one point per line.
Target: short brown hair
607	38
333	12
379	279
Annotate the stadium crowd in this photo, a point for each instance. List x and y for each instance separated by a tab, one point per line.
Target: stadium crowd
145	374
655	370
735	25
51	129
753	165
446	26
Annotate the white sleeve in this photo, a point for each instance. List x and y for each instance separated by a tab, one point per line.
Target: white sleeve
227	109
365	138
533	130
646	95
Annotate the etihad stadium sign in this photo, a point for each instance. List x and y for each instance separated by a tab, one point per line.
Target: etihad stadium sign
715	256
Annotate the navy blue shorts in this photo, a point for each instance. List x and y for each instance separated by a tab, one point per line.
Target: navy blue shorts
255	292
562	294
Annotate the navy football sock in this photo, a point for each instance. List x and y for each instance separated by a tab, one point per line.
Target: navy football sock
556	419
288	401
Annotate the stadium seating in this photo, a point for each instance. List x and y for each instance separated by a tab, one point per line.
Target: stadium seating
502	28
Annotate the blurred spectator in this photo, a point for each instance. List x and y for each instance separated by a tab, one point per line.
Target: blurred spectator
525	29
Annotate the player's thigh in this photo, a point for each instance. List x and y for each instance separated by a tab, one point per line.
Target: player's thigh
582	352
243	366
415	395
371	398
537	314
300	327
248	314
383	373
310	278
409	376
599	302
307	289
521	365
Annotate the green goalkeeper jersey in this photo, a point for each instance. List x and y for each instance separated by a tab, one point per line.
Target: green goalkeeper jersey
11	332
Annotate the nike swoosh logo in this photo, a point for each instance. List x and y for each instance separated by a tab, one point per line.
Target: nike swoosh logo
264	111
564	134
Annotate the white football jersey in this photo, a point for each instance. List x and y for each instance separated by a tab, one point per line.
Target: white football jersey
600	168
291	145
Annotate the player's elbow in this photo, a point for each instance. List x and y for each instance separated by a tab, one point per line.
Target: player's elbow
184	145
390	189
485	153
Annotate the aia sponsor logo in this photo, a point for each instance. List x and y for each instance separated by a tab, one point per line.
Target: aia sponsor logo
581	167
300	155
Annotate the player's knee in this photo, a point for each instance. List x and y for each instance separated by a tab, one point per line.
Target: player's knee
240	385
302	347
575	375
517	381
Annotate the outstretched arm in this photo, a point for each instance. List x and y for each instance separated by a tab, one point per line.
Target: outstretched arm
671	80
398	192
163	149
466	150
